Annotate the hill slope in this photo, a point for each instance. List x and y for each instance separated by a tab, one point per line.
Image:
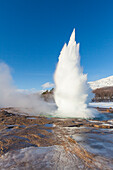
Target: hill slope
105	82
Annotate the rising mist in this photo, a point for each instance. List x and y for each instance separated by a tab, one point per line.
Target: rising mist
10	97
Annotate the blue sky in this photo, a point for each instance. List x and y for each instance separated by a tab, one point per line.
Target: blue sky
32	33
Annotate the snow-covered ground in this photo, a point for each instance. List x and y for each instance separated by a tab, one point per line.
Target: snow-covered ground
105	82
102	104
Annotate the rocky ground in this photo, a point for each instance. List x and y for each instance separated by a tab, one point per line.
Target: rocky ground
52	143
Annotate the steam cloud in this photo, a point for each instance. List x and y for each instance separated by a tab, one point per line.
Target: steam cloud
71	91
10	97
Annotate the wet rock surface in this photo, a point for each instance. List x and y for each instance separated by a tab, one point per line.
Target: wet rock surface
35	142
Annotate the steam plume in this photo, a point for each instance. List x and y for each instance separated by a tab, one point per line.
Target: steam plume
10	97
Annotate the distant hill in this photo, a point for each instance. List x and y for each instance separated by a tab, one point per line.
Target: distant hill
105	82
104	94
48	96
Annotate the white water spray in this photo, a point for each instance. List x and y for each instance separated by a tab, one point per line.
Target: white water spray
71	88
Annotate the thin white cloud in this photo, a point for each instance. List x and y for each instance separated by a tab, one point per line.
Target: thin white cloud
47	85
30	91
27	91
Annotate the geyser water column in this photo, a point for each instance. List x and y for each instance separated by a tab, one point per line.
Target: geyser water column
71	88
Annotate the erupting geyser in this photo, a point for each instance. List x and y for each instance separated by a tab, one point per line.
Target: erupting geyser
71	88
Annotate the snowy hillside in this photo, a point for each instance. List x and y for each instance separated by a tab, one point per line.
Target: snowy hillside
105	82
